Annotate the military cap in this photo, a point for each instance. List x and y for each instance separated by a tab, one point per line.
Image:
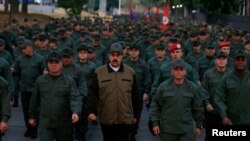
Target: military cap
225	43
55	56
161	46
192	34
240	53
115	47
20	40
83	33
134	45
247	42
83	46
237	33
154	37
211	45
54	40
42	37
202	33
96	36
2	42
91	49
67	52
195	43
26	43
179	63
61	31
174	46
221	54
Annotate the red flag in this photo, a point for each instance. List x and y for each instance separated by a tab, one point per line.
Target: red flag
165	18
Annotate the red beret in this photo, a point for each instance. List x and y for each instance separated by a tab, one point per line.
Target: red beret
222	44
174	46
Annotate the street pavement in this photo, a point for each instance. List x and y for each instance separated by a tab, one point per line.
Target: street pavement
16	129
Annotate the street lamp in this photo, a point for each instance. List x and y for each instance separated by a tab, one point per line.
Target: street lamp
173	7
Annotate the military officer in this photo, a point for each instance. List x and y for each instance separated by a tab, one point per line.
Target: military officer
56	97
175	106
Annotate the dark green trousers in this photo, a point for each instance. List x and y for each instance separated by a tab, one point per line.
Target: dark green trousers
58	134
177	137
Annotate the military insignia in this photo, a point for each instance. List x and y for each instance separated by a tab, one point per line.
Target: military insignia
178	45
165	20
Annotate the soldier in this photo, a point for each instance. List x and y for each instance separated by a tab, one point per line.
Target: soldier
232	97
29	66
100	50
92	56
175	50
142	77
5	106
247	51
175	106
88	67
43	48
195	54
4	53
74	71
206	62
58	101
236	43
225	47
211	80
113	96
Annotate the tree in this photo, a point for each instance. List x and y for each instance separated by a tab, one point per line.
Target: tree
25	7
72	7
14	6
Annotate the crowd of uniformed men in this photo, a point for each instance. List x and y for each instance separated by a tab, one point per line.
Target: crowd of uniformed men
216	60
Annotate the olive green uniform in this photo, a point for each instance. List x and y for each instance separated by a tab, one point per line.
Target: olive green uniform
175	107
56	98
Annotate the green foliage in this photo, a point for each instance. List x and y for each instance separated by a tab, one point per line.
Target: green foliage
72	7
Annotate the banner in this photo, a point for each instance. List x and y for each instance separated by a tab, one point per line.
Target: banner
165	18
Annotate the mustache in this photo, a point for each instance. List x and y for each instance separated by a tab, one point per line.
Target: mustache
115	61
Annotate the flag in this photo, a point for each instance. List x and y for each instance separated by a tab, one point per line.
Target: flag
165	18
148	14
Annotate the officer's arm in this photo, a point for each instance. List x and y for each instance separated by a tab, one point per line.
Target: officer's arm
42	65
75	99
205	96
135	99
9	78
156	83
82	86
91	102
5	102
197	109
34	101
147	81
220	98
156	108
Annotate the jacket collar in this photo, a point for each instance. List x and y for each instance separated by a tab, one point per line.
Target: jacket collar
110	70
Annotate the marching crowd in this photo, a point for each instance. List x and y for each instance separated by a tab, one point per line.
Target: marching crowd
72	72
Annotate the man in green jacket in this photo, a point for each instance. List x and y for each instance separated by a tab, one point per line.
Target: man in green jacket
58	101
28	67
142	77
113	96
232	95
175	106
5	106
211	80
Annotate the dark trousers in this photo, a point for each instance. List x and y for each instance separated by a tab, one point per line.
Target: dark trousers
25	98
211	120
58	134
118	132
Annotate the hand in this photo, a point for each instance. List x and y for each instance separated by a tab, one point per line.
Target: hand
75	118
197	132
135	120
209	108
145	97
32	122
156	130
91	117
227	121
45	71
3	126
